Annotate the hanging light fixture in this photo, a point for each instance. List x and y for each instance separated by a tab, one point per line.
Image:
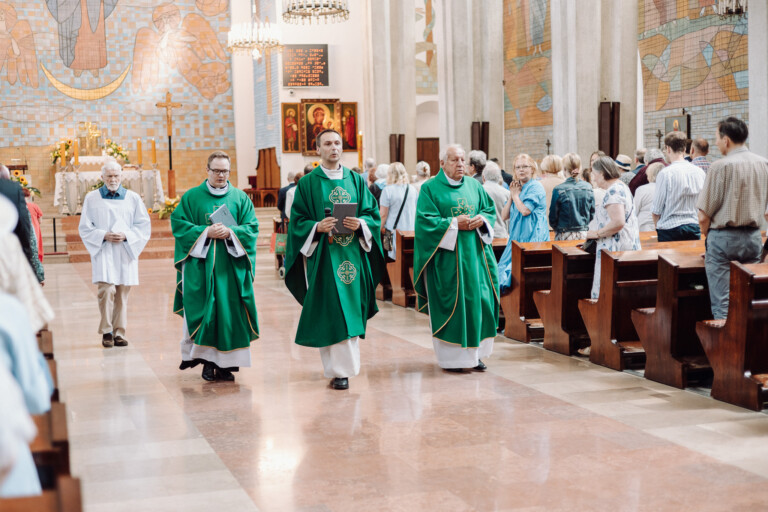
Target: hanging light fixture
252	37
732	7
300	12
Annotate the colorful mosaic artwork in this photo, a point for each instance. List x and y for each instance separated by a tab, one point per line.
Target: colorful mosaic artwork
109	62
426	60
527	64
691	56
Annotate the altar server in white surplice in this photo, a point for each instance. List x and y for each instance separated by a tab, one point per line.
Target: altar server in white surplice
114	227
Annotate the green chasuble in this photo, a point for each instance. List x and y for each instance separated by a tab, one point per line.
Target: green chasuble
337	284
218	299
460	288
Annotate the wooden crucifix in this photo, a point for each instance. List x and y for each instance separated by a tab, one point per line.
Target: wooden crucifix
168	105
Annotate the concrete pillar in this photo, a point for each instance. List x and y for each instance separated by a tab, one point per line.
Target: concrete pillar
470	65
381	98
575	75
619	66
758	77
402	39
243	103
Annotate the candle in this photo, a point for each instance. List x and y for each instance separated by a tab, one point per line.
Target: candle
154	152
138	151
360	150
62	153
77	152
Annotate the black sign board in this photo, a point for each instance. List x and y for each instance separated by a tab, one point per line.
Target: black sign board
305	65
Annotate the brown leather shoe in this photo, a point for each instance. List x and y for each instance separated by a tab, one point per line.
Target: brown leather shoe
107	341
120	341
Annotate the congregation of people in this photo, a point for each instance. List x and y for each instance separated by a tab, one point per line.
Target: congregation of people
333	265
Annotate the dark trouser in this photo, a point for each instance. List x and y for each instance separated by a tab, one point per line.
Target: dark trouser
724	246
684	232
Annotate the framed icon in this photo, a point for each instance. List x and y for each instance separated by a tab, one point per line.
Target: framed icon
316	116
290	117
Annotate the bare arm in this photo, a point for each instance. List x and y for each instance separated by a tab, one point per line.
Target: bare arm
384	212
655	219
615	224
705	221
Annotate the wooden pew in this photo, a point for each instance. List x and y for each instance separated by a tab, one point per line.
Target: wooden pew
45	342
737	347
65	497
401	269
571	280
531	271
667	332
55	378
499	244
50	449
627	281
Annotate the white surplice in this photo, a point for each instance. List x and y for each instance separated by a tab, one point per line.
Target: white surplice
115	263
18	279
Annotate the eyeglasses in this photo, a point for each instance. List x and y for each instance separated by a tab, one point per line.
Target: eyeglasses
220	172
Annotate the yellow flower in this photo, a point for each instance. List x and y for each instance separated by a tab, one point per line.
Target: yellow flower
23	180
17	173
149	211
315	163
168	202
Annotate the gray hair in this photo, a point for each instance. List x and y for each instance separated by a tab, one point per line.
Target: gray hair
653	154
110	165
291	176
422	169
478	159
5	174
492	172
381	171
444	151
369	164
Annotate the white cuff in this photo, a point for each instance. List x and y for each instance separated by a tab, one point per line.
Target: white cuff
200	249
309	245
486	237
236	248
449	239
367	238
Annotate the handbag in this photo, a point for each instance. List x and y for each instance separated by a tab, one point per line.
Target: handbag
388	235
589	246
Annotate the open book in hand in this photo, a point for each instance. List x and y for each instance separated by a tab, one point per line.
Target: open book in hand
224	216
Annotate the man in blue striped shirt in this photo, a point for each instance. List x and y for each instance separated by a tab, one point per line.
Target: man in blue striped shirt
677	188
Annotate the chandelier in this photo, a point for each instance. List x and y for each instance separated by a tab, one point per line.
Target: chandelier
732	7
252	37
299	12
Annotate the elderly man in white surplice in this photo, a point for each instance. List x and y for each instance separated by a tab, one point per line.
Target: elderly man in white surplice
114	227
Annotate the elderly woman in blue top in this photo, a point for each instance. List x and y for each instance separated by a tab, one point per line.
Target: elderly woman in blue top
526	210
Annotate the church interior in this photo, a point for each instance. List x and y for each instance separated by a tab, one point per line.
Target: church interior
667	412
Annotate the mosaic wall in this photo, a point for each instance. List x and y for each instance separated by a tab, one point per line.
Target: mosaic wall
266	90
691	58
60	71
426	58
527	76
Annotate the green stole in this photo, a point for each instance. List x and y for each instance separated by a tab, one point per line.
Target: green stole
218	299
337	285
463	283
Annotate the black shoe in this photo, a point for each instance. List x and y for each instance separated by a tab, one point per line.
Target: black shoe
480	367
208	372
107	341
454	370
120	341
340	383
225	375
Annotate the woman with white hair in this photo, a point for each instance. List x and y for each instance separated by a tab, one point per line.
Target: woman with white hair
397	205
644	198
423	173
381	181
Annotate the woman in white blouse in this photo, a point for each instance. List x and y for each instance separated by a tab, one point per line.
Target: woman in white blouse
644	198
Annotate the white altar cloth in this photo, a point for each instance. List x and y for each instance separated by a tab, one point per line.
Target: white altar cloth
71	187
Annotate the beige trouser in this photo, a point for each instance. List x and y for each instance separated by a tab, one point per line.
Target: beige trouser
113	306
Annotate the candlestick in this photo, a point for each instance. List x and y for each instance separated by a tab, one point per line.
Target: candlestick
76	150
138	150
62	153
360	150
154	153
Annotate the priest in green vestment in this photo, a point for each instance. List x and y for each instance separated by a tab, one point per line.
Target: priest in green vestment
332	275
215	256
455	275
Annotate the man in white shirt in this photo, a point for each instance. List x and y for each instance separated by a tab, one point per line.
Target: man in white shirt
115	228
677	188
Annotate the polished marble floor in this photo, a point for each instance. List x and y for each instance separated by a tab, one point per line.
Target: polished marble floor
538	431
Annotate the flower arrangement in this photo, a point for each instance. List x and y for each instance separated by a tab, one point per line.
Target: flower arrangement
115	150
170	205
19	178
98	185
56	153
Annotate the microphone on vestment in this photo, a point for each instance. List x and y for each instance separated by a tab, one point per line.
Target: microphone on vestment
330	233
